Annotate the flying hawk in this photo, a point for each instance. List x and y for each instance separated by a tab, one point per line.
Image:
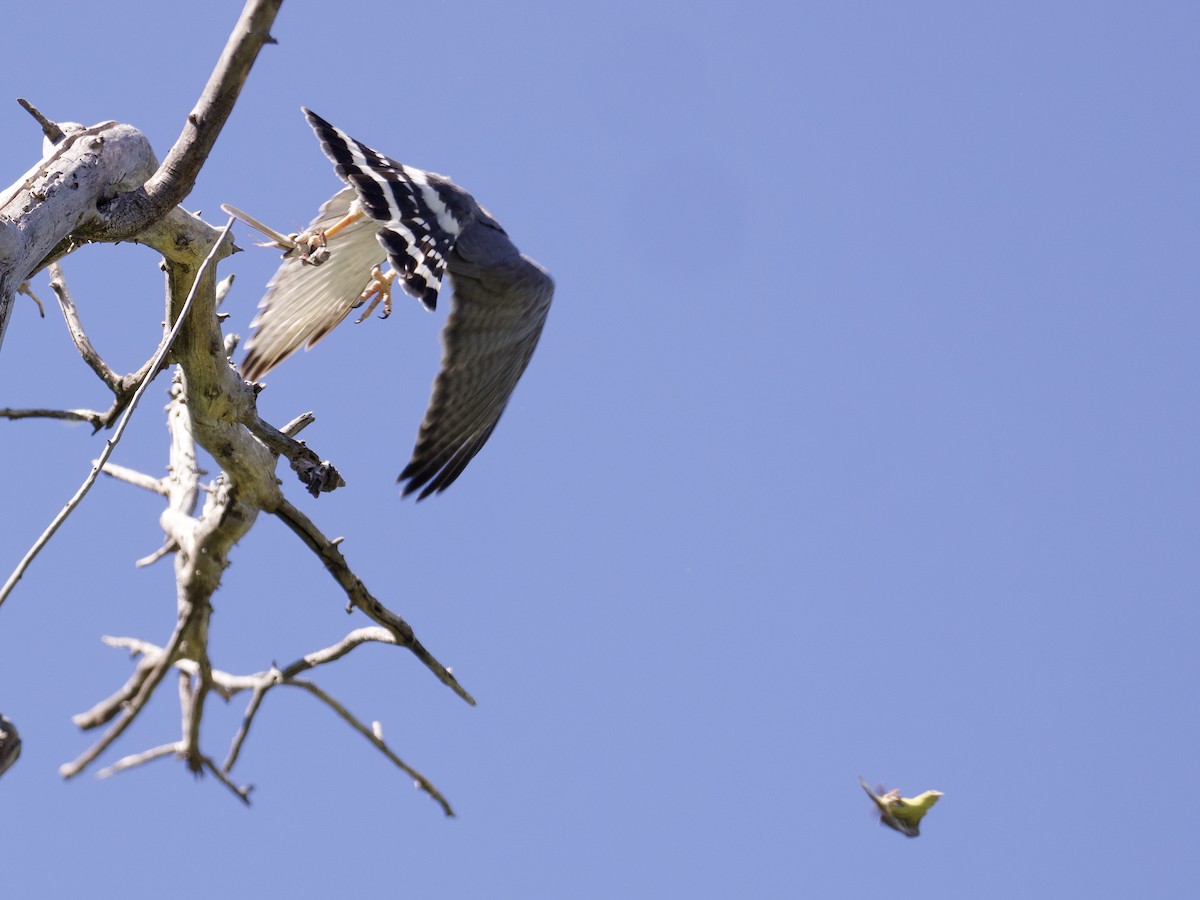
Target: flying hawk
426	227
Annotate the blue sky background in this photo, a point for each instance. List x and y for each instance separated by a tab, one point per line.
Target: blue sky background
862	439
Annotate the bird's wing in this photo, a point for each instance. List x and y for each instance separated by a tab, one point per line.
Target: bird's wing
887	807
428	225
304	302
870	793
906	816
421	213
892	814
911	810
496	318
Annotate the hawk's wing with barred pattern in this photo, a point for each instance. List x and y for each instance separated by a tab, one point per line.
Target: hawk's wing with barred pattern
428	227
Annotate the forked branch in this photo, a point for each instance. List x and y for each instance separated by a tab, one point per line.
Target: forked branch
102	183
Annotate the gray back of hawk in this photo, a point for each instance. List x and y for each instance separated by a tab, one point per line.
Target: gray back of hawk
427	227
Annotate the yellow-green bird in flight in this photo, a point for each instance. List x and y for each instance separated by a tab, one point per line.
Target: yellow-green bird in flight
903	814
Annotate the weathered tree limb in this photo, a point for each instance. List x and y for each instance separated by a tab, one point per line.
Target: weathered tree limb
111	443
60	194
58	284
121	386
127	215
360	597
260	684
375	736
103	183
316	474
91	416
51	130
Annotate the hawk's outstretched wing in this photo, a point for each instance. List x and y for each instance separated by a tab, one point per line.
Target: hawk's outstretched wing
495	321
427	226
303	302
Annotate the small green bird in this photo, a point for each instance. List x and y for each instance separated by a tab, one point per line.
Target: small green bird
903	814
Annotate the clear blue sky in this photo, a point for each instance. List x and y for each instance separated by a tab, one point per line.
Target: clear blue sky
862	440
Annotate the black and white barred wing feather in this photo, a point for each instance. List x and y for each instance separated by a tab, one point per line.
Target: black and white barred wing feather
303	302
418	215
429	227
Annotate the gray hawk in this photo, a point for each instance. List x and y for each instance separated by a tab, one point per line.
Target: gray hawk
425	226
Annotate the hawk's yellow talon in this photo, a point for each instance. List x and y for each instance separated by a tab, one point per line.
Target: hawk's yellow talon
380	288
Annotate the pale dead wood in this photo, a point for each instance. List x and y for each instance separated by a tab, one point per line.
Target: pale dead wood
103	183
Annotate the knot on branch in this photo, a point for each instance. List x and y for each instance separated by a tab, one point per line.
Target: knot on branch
317	476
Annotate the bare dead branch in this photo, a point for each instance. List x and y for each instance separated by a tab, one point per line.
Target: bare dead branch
53	133
139	759
135	646
24	288
243	791
359	636
263	682
129	711
420	780
132	212
130	196
316	474
256	699
360	597
83	343
259	684
174	749
182	484
151	558
111	443
189	706
298	424
223	288
137	479
192	694
226	685
61	193
122	386
107	709
91	416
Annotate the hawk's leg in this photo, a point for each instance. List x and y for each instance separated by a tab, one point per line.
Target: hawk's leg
312	245
308	246
346	221
379	289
